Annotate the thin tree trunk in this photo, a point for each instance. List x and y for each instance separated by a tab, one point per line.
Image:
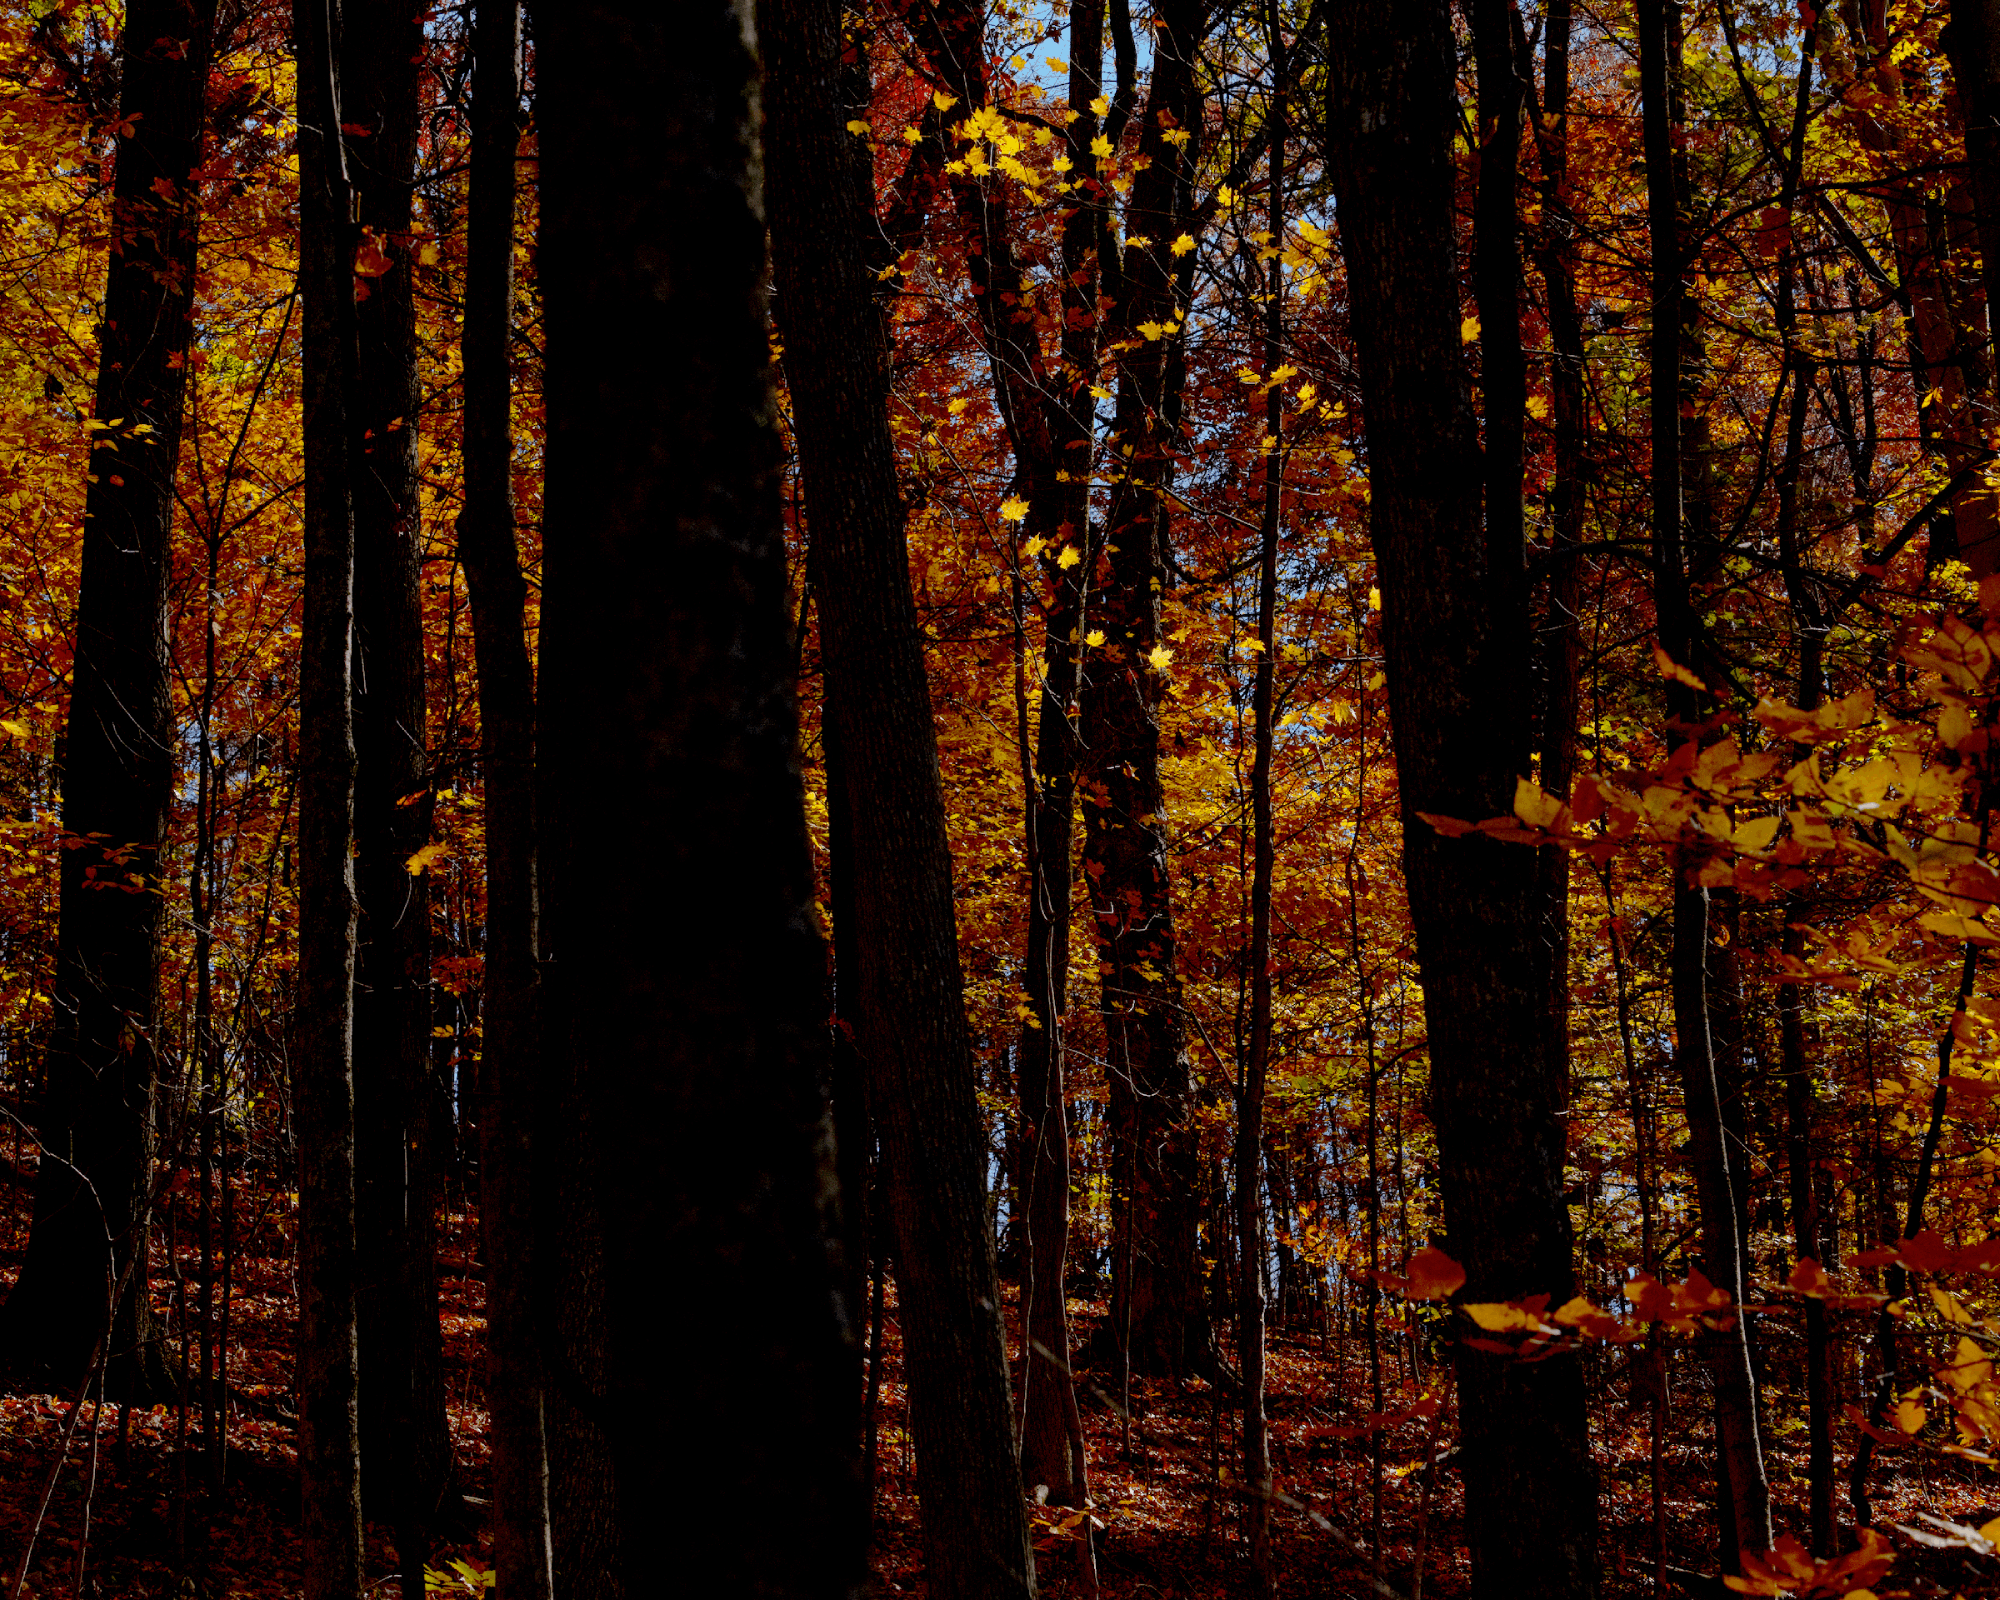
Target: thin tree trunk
910	1015
1462	739
1050	421
1256	1071
396	1193
95	1120
1560	643
1157	1311
1743	1495
323	1051
680	906
1810	628
510	1034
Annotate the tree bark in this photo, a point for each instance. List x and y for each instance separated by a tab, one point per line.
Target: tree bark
1050	420
1158	1314
1743	1495
323	1050
1558	670
396	1185
684	913
511	1035
909	1018
1052	1449
1461	742
95	1120
1250	1310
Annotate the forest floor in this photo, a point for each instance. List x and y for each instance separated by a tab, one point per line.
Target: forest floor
123	1490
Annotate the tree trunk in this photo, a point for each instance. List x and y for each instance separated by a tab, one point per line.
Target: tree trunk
323	1049
1461	742
568	1289
1050	422
1558	670
95	1121
510	1038
1052	1450
1158	1314
1256	1069
396	1191
681	911
909	1018
1972	38
1743	1496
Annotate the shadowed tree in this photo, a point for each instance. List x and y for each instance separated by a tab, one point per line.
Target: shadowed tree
680	901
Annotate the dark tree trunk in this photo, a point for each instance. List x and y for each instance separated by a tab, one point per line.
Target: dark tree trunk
323	1044
1559	648
510	1034
681	912
1810	629
1250	1308
1972	39
95	1121
1743	1500
1050	423
1461	739
909	1013
568	1287
1052	1449
403	1426
1158	1314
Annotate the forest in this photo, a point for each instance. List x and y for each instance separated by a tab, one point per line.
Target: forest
1142	799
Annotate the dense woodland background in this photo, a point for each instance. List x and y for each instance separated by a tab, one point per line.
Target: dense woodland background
1260	859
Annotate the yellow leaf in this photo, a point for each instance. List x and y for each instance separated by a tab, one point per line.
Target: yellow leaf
1948	1305
1069	557
424	858
1910	1416
1756	834
1183	244
1101	104
1496	1316
18	729
857	127
1094	638
1374	598
943	101
1536	809
1970	1368
1538	408
1949	925
1100	146
1152	330
1158	657
1468	330
1670	668
1013	509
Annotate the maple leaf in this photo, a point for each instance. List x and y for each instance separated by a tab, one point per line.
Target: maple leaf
1013	509
1158	657
371	259
425	858
1670	668
1434	1275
